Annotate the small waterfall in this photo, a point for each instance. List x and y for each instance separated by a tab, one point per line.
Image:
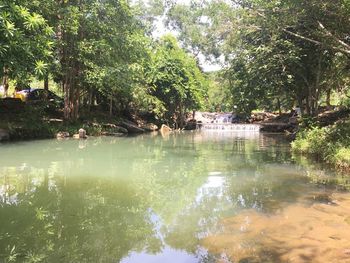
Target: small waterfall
231	127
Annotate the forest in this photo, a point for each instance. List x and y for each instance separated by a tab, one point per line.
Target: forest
98	53
273	55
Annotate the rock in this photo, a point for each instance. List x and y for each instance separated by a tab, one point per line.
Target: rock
119	129
82	133
165	128
131	127
275	127
4	135
62	135
114	134
112	128
191	125
149	127
293	120
55	120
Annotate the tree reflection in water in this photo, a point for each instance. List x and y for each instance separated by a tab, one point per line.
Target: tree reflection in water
124	199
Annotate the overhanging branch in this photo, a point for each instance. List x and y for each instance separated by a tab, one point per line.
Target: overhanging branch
342	50
328	33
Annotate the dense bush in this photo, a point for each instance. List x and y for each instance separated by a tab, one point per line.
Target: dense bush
330	143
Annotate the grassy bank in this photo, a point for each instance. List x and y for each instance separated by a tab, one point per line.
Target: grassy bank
330	143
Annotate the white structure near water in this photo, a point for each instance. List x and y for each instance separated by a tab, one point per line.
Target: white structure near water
223	122
231	127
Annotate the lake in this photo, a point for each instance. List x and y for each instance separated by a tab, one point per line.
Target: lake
182	197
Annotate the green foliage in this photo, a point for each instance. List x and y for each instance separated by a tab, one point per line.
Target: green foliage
308	122
219	97
175	80
113	51
330	143
312	141
279	54
25	39
342	157
202	26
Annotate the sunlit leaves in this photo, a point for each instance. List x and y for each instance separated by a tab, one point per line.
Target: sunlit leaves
9	28
40	68
41	214
25	40
12	257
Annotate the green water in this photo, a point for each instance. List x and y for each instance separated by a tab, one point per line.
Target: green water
142	199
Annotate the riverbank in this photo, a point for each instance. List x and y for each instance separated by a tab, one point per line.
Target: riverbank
25	122
327	138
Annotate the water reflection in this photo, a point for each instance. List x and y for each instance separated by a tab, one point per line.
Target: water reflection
142	199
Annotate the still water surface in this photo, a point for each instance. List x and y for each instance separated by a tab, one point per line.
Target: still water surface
190	197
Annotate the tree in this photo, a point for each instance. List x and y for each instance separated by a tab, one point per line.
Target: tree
25	41
277	53
202	26
176	80
97	44
281	52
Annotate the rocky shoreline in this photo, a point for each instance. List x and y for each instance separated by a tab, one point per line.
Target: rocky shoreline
77	130
56	128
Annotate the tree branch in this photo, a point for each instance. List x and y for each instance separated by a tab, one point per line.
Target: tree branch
341	42
345	51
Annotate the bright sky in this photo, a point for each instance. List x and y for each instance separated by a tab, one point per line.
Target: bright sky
161	30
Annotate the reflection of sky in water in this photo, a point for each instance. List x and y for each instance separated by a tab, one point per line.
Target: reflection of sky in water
140	199
231	134
214	187
168	254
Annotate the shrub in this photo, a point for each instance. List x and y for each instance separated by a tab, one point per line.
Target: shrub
311	141
342	157
331	143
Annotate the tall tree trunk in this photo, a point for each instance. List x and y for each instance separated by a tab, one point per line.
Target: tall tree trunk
310	100
328	99
5	81
90	100
175	119
317	88
70	66
111	105
279	106
63	56
300	105
46	87
76	102
307	105
181	116
46	83
67	91
72	90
